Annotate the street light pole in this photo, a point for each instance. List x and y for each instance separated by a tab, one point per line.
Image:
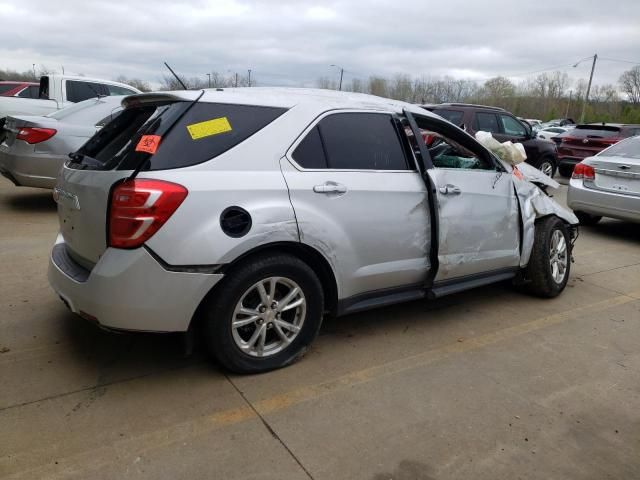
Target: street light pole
586	97
209	75
249	77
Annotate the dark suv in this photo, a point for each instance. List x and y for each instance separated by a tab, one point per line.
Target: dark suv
504	126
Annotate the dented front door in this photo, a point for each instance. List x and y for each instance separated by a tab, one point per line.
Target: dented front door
478	222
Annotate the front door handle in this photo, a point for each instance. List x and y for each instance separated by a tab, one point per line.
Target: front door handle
449	189
330	187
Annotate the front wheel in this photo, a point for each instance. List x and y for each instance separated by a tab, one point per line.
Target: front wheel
550	262
265	314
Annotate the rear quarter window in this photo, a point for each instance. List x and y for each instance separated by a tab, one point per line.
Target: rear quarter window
454	116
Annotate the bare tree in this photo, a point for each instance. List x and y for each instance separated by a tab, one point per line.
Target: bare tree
134	82
630	84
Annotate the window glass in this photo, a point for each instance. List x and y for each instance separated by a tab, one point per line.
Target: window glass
362	141
309	153
487	122
116	90
511	126
114	145
29	92
454	116
109	117
447	153
627	149
78	91
4	88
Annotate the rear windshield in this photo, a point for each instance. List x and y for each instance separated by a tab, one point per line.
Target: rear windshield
628	148
454	116
189	134
602	131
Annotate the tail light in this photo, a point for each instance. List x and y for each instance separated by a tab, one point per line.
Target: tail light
584	171
139	208
34	134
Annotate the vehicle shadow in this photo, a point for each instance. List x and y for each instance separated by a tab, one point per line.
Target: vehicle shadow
32	200
610	228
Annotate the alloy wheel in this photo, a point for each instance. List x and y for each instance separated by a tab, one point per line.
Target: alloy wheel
268	316
558	256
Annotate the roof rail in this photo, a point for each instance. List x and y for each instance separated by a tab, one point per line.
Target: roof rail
473	105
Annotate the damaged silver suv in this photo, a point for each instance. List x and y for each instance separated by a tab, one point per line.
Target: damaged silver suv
249	214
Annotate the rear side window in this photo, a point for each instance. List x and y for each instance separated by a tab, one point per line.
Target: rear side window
78	91
5	88
227	126
487	122
454	116
362	141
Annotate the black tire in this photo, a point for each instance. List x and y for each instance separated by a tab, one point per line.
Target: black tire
539	163
538	272
587	219
219	310
565	170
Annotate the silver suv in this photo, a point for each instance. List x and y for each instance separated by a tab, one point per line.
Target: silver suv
249	214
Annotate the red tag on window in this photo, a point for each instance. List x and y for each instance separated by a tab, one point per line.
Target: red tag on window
148	144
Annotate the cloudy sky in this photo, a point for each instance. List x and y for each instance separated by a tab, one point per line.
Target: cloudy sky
291	42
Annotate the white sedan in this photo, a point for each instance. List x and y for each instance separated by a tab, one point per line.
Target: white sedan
550	132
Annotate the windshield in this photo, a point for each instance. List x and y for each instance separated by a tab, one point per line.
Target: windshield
629	148
88	112
78	107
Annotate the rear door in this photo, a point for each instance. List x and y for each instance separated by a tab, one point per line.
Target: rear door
478	223
359	199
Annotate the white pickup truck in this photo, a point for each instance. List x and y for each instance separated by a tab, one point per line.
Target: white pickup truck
59	91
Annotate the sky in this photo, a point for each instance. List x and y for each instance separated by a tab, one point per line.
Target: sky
294	43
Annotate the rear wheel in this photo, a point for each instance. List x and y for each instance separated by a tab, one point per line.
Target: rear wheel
265	315
587	219
550	262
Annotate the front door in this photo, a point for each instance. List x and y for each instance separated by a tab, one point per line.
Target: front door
478	224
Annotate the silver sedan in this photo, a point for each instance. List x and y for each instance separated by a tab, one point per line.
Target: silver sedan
33	148
608	184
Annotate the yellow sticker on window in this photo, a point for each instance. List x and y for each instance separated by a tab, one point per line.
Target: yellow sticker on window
209	128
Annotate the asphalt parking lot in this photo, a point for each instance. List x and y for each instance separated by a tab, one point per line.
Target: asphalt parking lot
488	384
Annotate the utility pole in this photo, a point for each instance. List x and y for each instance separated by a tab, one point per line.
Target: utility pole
586	98
249	77
566	114
341	74
209	75
34	71
236	79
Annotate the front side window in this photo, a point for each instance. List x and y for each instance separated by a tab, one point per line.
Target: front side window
486	122
362	141
511	126
78	91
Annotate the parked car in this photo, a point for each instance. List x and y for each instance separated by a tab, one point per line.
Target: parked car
561	122
250	213
503	126
59	91
608	184
34	148
587	140
19	89
551	133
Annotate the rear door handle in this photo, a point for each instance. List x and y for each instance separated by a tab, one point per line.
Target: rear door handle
330	187
449	189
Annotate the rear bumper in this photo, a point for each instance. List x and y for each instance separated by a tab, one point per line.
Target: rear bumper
128	290
606	204
33	170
